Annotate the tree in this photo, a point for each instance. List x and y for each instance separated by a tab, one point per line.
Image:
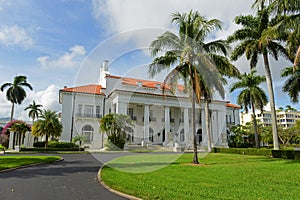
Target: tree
116	127
34	110
292	84
79	138
252	44
15	92
251	96
188	58
286	25
47	125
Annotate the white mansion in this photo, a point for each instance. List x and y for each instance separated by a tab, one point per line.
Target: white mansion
160	119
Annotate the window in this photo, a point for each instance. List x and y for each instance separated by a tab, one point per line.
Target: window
98	112
130	112
88	132
88	111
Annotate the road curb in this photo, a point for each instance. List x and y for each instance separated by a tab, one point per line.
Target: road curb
30	165
127	196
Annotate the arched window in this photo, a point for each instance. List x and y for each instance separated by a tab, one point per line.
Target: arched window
199	136
151	134
88	131
181	135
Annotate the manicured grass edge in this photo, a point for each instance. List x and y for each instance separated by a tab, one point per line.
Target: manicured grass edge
127	196
31	165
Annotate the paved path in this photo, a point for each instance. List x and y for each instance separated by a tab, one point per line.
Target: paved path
75	178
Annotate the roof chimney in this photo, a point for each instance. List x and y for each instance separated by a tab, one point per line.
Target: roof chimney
105	65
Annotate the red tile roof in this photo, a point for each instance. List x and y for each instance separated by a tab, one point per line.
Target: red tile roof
144	83
89	89
232	105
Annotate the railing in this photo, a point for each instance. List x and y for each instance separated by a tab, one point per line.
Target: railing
85	115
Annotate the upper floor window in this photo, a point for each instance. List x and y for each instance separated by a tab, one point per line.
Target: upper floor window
88	110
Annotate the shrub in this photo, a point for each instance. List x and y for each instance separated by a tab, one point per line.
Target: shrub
244	151
52	150
287	154
39	144
55	144
1	147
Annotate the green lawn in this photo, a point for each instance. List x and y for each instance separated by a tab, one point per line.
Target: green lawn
7	162
221	176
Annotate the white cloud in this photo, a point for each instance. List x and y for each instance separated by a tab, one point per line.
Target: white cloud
15	36
67	60
48	98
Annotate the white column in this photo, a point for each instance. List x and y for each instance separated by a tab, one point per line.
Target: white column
186	125
146	123
167	123
11	140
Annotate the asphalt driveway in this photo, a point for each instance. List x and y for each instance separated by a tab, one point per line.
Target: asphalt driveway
75	178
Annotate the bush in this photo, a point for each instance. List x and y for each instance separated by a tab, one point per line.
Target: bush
1	147
52	150
287	154
244	151
39	144
55	144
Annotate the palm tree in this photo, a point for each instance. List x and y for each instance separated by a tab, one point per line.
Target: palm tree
292	84
286	26
251	43
186	54
47	125
15	92
79	138
251	96
34	110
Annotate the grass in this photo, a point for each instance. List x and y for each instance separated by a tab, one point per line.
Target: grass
220	176
7	162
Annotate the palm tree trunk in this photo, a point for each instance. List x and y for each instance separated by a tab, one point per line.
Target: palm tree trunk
272	101
195	158
12	112
255	125
207	124
297	59
46	142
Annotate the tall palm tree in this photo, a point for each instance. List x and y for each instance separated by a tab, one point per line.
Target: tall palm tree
47	125
286	26
292	84
251	96
15	92
251	44
34	110
187	57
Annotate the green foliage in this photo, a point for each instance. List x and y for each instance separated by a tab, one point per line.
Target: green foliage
1	147
116	127
55	144
34	110
15	92
287	154
49	149
48	125
244	151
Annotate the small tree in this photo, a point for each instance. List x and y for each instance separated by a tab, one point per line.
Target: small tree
79	138
116	126
48	125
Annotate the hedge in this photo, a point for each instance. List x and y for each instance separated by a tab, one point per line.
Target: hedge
244	151
286	154
43	149
55	144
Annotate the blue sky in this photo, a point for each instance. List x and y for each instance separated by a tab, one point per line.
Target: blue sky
63	42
